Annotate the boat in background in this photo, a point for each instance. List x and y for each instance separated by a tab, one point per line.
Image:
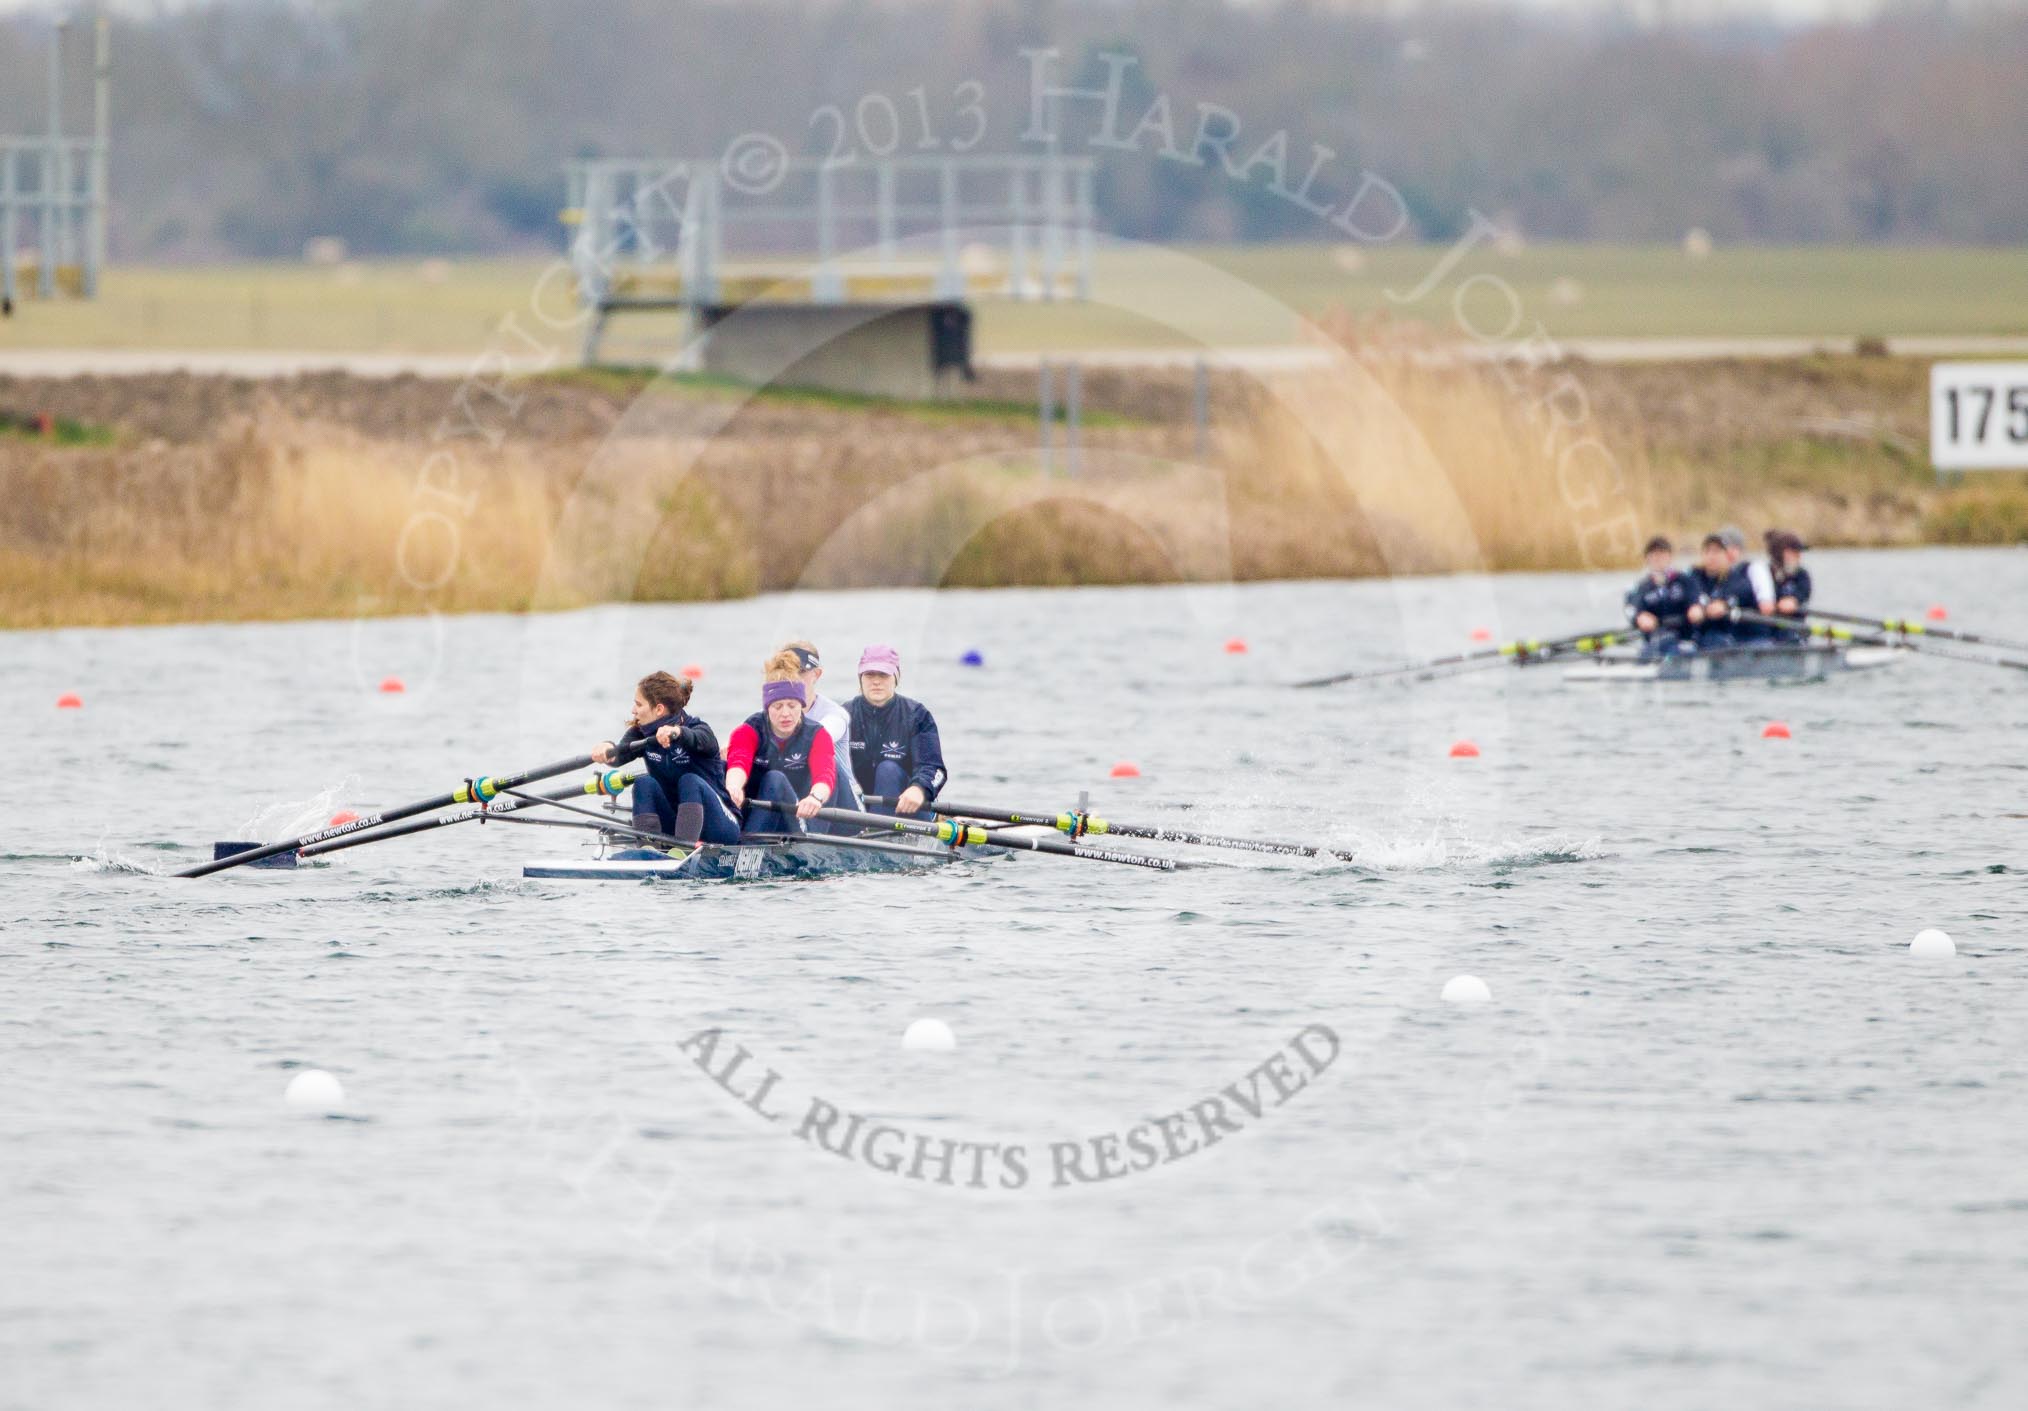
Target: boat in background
1797	661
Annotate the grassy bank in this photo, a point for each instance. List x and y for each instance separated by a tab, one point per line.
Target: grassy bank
1575	290
209	498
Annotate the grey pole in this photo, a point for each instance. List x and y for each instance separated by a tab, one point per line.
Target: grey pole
50	237
1017	242
1084	224
1048	408
102	129
7	223
714	232
952	280
1200	405
1073	415
1052	226
825	285
884	213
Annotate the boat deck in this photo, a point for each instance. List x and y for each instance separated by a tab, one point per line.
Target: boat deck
757	859
1796	662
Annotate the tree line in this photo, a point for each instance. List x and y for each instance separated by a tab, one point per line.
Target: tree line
246	127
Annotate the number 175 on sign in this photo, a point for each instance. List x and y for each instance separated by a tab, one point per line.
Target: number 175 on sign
1978	416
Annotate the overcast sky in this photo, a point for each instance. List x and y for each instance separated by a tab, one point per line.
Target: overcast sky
1790	9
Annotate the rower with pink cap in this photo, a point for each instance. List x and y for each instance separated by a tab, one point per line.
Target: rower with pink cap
896	754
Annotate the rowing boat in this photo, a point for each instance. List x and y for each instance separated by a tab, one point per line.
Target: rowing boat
754	859
1761	662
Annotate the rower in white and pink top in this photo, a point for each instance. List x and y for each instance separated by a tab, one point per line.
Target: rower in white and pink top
829	714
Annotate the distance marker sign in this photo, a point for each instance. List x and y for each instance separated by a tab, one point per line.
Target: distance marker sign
1978	416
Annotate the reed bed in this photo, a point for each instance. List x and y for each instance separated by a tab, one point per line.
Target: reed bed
309	499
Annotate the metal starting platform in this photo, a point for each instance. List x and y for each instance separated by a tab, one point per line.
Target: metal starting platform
855	276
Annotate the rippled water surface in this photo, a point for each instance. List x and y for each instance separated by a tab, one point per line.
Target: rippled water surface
1717	1139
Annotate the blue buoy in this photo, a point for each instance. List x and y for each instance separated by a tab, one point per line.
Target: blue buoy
973	657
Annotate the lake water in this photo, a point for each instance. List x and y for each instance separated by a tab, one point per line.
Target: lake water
1717	1139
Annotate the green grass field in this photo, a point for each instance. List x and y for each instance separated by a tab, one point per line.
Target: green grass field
1227	296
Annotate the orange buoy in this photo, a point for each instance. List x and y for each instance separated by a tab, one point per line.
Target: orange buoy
1775	730
67	701
392	686
1126	769
1464	749
342	817
1936	612
1482	634
1235	646
693	672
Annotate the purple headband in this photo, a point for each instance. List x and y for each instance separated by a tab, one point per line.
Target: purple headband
784	691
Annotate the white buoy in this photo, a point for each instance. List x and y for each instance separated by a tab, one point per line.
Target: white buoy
1466	989
1932	944
931	1035
314	1090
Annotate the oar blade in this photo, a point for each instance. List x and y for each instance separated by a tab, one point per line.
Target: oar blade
482	789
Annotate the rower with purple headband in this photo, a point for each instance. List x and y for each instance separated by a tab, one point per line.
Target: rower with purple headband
780	756
829	714
896	752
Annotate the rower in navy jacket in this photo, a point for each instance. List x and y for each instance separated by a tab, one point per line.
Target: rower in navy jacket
1659	604
896	752
1754	587
781	756
682	757
1785	551
1714	590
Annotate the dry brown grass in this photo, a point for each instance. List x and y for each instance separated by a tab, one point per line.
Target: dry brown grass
304	499
1406	457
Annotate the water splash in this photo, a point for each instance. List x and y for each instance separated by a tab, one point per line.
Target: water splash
102	861
292	818
1445	845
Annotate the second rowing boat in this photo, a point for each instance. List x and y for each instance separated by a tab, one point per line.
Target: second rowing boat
1773	662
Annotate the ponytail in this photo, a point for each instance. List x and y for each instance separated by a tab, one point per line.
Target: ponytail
662	689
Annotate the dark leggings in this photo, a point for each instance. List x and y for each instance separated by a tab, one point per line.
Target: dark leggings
889	779
774	788
651	797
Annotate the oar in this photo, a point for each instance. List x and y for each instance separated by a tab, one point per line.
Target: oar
1795	626
1846	634
610	784
482	790
1520	653
960	835
1907	627
1086	824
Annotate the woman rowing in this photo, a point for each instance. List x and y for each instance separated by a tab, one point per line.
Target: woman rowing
684	768
780	766
827	713
896	753
1659	602
1785	550
1715	589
